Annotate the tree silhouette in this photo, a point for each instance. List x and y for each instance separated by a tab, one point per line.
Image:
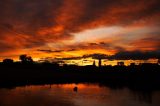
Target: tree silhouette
8	61
25	59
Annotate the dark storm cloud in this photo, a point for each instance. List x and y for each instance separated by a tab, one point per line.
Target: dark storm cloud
34	23
23	18
125	55
94	56
136	55
69	58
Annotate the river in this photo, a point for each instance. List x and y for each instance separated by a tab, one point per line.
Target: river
85	95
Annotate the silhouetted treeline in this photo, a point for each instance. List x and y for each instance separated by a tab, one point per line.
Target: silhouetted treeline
29	72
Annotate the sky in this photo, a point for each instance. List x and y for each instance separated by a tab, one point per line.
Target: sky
73	29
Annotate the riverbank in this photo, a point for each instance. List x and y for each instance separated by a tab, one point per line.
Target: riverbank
30	74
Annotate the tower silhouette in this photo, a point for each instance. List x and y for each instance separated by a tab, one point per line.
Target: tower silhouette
94	63
100	62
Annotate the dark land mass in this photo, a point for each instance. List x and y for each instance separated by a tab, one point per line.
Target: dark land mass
144	76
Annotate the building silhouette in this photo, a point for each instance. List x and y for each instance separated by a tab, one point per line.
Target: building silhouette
100	63
120	63
132	64
94	63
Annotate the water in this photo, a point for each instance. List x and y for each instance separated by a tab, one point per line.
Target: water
87	95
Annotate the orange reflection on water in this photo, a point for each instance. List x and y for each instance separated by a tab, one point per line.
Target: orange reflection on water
63	95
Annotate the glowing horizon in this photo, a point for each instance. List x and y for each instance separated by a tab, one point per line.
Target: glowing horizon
74	28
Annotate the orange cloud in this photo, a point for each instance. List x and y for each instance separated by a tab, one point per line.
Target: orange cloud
30	25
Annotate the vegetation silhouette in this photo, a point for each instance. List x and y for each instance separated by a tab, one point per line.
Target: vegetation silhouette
26	72
8	61
25	59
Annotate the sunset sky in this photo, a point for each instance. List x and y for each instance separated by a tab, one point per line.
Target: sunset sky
73	29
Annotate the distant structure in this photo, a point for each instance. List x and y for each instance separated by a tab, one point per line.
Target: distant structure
100	63
94	63
120	63
132	64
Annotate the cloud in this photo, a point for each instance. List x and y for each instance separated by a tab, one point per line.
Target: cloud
146	44
124	55
55	51
50	51
136	55
96	56
27	24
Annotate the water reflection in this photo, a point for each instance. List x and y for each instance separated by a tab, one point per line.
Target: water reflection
86	95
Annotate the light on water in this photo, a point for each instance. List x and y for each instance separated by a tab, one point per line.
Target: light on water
85	95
